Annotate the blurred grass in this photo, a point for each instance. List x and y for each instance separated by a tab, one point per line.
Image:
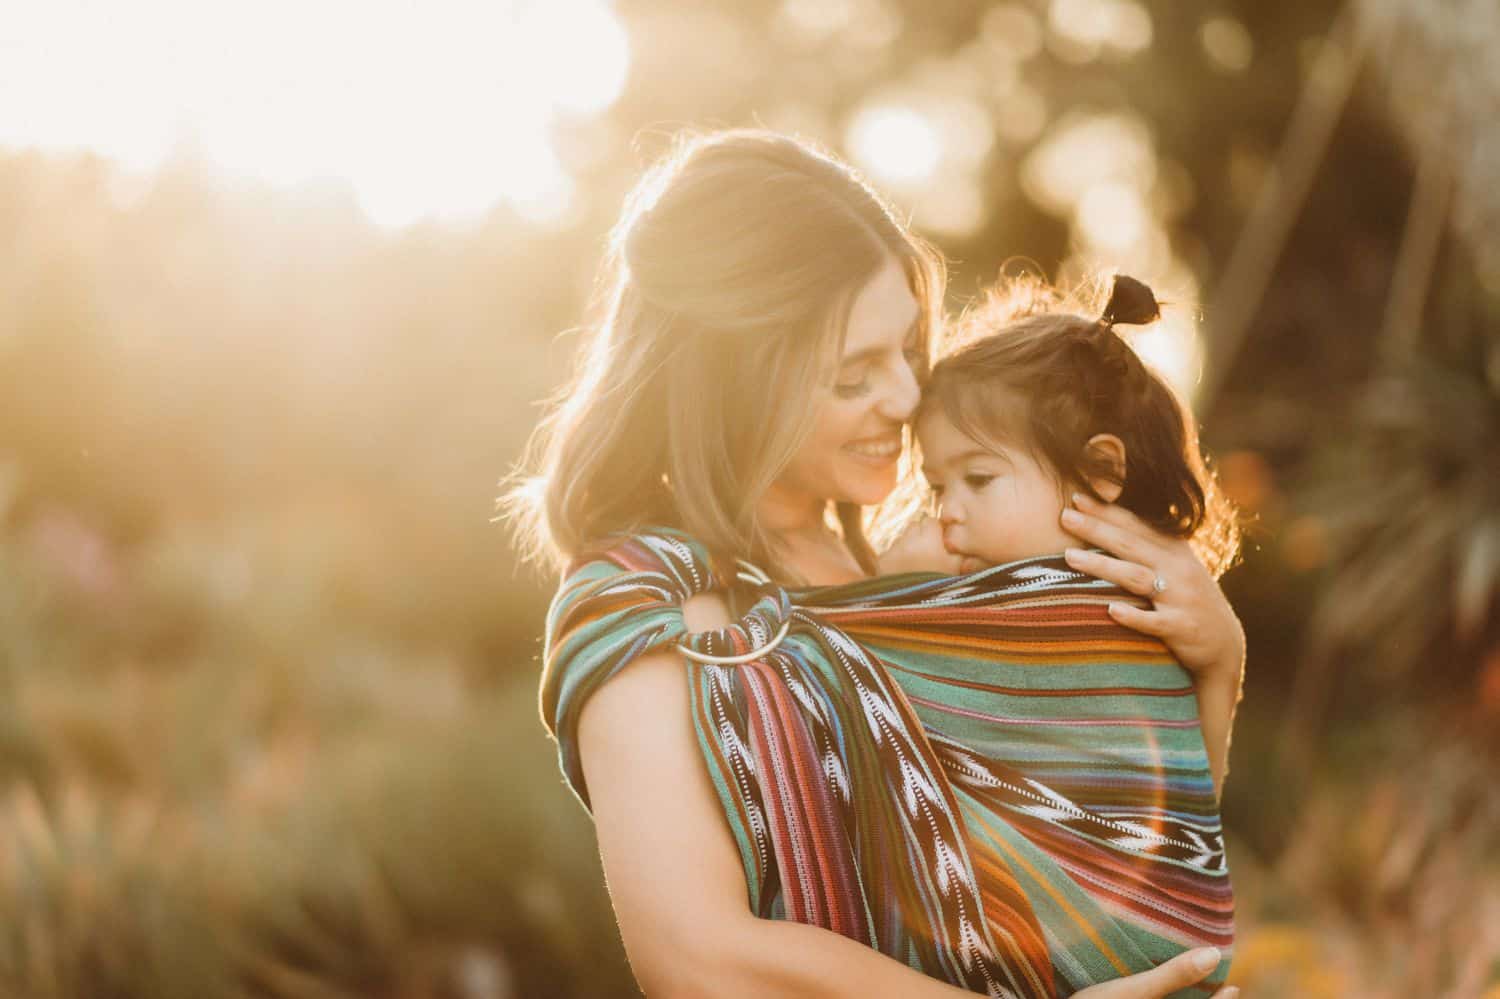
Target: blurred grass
281	805
1389	883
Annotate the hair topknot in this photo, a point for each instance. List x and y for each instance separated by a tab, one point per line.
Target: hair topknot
1131	303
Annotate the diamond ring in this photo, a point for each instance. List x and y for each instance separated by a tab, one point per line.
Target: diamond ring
1159	585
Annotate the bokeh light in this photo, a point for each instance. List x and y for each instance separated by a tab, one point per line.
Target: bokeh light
1012	27
442	110
1111	215
899	145
1083	30
1227	43
1084	149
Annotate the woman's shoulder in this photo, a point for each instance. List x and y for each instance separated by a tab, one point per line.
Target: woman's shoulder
651	564
649	548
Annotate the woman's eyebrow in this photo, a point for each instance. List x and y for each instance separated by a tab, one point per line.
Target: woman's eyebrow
867	353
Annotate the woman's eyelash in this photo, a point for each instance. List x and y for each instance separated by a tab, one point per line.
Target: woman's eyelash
978	481
913	354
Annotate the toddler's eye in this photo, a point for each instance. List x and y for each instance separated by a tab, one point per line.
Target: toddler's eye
978	481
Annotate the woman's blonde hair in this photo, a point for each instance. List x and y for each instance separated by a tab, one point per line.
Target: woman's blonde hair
725	291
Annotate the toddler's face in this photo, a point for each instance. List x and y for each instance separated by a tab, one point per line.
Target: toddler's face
996	504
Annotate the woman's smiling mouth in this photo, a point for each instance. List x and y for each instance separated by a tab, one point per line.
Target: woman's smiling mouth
880	450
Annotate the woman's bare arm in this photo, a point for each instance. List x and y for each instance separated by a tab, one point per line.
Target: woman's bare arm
1217	701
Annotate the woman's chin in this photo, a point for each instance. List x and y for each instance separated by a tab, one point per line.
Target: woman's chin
868	488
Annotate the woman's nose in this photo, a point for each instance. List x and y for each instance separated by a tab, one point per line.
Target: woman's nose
949	512
900	400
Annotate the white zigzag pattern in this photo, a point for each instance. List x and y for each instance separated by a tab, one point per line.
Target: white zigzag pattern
880	713
833	767
913	781
684	556
1063	811
1205	853
735	746
948	860
799	690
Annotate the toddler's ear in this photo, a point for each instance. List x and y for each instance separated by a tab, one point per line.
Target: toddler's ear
1112	449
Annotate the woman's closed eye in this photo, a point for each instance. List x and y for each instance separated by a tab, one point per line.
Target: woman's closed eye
912	354
851	390
977	481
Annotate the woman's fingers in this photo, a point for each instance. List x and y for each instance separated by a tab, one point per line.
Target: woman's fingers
1112	528
1161	981
1111	512
1157	623
1183	970
1226	993
1136	578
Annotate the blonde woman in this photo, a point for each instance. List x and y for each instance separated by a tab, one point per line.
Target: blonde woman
772	815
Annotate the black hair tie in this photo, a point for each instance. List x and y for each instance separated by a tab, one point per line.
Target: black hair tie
1130	303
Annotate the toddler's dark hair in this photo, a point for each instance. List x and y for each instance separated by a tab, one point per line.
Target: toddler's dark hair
1051	380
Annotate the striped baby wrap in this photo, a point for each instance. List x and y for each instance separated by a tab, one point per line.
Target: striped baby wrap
983	776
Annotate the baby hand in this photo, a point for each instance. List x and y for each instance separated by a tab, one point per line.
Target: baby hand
920	549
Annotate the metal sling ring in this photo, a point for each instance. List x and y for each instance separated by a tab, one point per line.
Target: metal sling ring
750	574
748	657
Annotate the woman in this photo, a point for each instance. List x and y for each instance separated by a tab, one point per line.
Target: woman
765	330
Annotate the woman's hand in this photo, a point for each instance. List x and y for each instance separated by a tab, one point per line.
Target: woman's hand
1180	972
1190	613
920	549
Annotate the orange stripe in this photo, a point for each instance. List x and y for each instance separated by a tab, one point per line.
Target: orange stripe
1060	900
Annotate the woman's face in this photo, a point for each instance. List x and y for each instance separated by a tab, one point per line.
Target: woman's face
856	440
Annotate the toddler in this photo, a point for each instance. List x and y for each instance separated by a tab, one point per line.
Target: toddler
1086	718
1025	413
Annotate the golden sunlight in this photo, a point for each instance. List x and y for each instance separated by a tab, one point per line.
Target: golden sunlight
899	145
439	110
1173	346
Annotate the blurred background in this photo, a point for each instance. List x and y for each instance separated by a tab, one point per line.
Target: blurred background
281	283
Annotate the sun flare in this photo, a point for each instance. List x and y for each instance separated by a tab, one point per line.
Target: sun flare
439	110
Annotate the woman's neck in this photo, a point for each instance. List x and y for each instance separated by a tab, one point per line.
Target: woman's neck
828	565
804	543
784	514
